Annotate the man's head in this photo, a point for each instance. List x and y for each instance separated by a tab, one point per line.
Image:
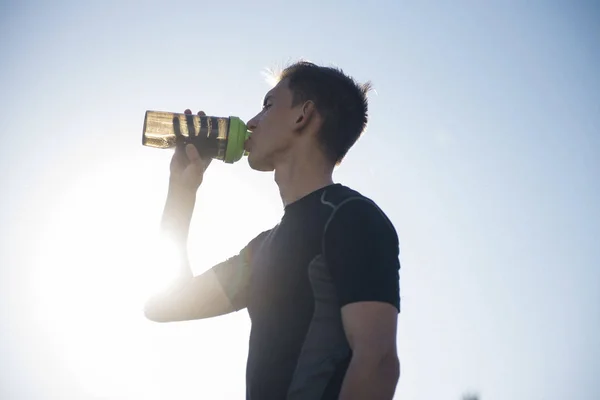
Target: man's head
311	109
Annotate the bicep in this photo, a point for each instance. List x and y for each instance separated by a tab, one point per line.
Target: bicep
370	327
220	290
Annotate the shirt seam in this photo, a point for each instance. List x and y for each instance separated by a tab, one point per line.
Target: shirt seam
336	208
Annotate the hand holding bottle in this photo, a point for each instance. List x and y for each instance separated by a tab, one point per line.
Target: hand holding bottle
221	138
187	166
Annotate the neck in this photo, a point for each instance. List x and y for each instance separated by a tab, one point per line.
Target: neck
298	178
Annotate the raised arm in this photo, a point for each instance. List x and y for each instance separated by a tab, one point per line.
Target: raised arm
189	297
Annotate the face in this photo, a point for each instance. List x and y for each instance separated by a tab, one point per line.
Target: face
272	129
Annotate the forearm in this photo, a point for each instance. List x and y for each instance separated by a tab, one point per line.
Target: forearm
178	211
369	378
175	224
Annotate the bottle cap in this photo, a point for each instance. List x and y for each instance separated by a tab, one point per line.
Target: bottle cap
237	136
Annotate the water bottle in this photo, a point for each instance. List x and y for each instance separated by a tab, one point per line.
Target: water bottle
221	138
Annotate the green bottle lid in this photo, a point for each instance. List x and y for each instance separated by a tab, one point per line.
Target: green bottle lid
236	138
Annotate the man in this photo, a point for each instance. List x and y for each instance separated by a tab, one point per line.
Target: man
321	287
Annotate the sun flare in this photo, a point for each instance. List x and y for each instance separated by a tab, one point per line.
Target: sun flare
99	257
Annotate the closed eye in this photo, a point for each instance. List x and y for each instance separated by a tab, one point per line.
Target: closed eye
267	102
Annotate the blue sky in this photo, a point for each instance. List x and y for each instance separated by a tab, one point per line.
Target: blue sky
483	148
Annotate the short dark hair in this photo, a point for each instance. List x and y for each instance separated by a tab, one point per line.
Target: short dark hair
339	99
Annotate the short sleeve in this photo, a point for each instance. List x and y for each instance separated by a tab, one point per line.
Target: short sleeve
234	273
361	249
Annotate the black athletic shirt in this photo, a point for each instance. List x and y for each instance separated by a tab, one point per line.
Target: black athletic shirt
331	248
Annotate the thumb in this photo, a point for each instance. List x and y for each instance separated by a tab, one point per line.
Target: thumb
192	153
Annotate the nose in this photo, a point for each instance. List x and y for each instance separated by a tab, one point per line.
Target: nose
253	123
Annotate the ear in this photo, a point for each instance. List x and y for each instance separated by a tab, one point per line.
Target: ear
306	113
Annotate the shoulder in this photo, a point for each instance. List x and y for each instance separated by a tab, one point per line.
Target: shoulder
361	249
260	237
353	212
250	250
337	194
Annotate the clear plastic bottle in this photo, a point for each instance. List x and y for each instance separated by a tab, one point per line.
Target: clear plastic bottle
221	138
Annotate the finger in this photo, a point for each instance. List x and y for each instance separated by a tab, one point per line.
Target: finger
179	158
189	120
178	150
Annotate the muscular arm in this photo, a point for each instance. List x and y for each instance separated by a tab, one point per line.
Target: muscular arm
218	291
361	247
374	370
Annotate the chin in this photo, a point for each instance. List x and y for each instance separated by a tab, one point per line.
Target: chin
258	164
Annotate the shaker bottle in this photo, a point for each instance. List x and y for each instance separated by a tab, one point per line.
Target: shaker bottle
221	138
